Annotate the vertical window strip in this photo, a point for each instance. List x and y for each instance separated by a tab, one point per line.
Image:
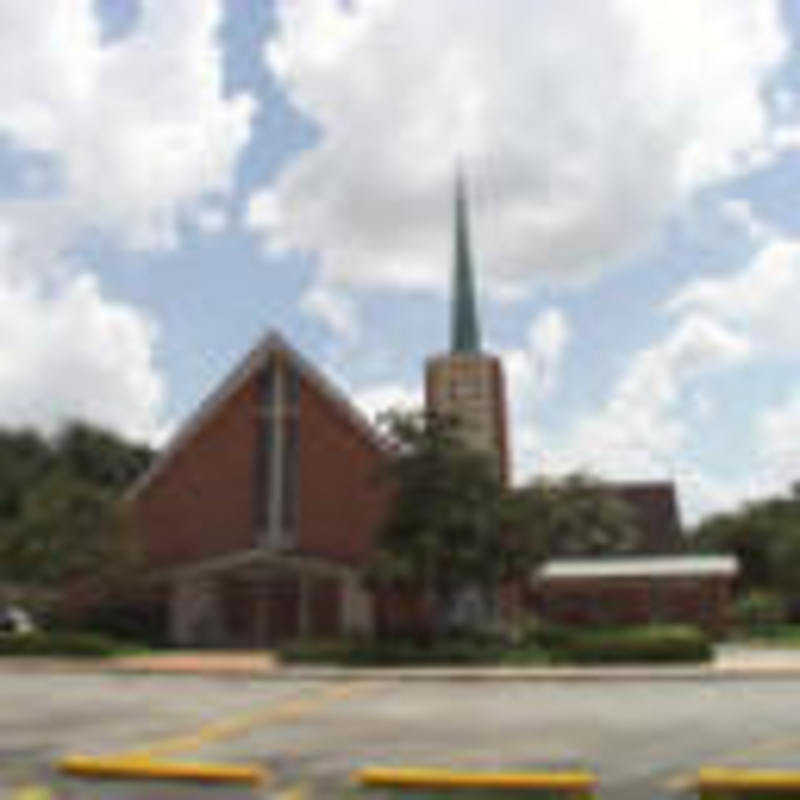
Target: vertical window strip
263	448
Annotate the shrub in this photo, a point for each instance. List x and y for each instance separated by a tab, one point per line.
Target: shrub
407	652
646	644
46	644
126	621
399	653
758	610
316	652
547	635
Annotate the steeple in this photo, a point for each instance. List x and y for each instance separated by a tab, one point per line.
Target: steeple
465	333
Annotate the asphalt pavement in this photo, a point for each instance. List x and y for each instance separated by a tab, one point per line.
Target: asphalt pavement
645	739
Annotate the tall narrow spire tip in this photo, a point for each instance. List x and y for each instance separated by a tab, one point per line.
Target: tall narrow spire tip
465	331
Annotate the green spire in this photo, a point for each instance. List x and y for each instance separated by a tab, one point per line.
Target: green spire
465	334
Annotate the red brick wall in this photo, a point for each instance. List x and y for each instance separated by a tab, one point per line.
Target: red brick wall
325	601
501	410
341	505
201	503
702	601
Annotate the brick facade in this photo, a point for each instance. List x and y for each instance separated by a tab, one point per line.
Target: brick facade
471	388
279	468
342	499
199	502
274	467
701	600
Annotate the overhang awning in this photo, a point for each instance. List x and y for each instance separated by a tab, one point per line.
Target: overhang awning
256	557
639	567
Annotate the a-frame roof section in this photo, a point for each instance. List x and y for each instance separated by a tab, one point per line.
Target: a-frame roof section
257	358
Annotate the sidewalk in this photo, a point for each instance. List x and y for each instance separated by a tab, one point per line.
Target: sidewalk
731	663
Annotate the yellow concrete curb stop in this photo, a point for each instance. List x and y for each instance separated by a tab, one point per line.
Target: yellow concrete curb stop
424	778
750	780
126	767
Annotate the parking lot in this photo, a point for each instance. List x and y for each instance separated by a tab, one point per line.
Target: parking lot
644	739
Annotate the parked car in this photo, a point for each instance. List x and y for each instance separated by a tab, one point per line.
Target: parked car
14	619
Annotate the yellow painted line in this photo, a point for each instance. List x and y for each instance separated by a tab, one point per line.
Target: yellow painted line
33	793
145	763
729	779
681	782
238	725
424	778
126	767
300	791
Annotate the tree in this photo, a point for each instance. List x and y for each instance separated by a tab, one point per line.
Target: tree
452	524
576	517
100	457
24	458
444	531
60	510
765	537
62	529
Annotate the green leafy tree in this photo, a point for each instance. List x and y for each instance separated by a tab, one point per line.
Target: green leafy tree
453	525
445	528
765	537
62	530
101	457
60	510
576	516
24	459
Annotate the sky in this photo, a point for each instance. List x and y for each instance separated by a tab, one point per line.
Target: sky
175	179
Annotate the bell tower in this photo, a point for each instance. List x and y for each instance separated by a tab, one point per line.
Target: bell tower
468	383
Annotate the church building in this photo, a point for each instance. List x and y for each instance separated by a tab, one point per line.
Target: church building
259	515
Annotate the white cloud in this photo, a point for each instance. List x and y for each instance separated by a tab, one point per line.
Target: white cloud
760	301
533	371
703	405
142	135
140	124
373	400
532	374
581	125
778	436
210	217
773	466
740	213
335	307
548	337
68	352
637	433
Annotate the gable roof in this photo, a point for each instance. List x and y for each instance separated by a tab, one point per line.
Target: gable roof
273	342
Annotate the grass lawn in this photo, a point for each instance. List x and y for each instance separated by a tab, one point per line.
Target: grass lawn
778	635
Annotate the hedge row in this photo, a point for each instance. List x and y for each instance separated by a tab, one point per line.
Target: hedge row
649	644
646	644
393	652
51	644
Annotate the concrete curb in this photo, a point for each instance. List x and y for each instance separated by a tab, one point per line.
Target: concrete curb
610	674
719	672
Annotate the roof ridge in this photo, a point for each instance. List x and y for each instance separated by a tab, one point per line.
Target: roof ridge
272	341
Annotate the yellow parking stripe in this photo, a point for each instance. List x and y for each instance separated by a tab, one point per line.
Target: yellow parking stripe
232	727
33	793
144	763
